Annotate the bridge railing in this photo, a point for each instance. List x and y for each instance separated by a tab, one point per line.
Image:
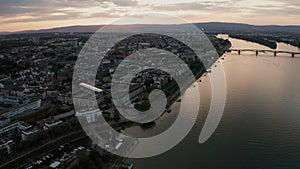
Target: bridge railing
257	51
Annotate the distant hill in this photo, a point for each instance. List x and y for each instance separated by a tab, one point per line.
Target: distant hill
215	27
238	27
90	28
4	33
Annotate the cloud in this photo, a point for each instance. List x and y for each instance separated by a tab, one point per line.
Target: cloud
26	11
125	2
289	2
42	10
277	8
182	6
208	7
11	8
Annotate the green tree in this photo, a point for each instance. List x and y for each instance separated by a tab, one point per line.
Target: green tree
117	117
96	158
85	162
143	106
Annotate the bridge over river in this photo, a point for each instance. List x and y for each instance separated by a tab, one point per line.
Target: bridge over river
257	51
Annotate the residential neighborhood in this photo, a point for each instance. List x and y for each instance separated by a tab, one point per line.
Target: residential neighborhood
36	95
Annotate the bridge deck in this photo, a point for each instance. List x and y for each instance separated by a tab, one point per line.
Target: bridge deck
264	50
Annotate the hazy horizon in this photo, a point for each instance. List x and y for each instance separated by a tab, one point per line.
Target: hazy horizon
66	26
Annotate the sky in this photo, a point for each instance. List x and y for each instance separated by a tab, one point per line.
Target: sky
17	15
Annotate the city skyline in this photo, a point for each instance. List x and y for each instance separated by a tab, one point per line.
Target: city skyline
19	15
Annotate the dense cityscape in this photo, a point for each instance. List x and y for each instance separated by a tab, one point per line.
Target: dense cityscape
36	98
135	84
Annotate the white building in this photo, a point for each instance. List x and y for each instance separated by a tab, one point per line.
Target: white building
51	124
28	133
5	145
55	165
19	110
4	121
11	129
36	40
12	100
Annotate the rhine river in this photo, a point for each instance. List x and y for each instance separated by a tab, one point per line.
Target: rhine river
260	128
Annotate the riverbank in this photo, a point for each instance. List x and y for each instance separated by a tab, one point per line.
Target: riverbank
256	39
222	47
255	131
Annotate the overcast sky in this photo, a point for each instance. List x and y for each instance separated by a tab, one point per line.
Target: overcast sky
18	15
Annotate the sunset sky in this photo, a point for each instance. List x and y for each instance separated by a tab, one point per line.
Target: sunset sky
16	15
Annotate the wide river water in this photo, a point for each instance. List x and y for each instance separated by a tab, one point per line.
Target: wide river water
260	127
